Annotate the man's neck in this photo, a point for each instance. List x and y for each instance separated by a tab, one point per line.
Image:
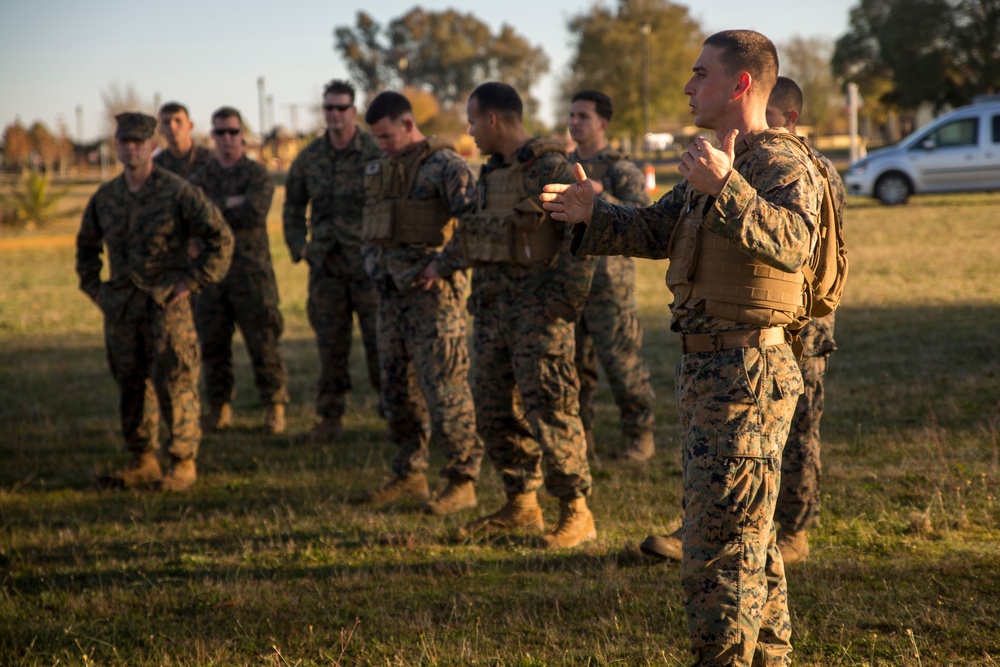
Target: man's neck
750	120
135	177
180	150
340	140
226	163
591	148
512	142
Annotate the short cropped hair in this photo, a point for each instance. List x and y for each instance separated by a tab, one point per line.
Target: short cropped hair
387	104
174	107
222	113
786	95
748	51
339	87
499	98
602	103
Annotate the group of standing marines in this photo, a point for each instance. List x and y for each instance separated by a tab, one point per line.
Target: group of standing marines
396	220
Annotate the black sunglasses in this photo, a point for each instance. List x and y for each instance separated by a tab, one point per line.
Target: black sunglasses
231	131
338	107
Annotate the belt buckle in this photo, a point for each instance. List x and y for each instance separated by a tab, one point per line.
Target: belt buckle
717	341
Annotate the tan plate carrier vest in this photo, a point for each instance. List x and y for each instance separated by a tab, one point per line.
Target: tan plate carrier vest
510	226
390	217
598	169
734	285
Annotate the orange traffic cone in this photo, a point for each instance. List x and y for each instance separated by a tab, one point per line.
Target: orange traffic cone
650	179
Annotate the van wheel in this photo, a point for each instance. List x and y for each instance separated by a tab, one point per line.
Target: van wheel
892	189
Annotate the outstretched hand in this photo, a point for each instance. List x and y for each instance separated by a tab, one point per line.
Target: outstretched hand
707	168
570	203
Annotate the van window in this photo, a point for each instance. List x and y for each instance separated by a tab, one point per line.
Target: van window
963	132
996	129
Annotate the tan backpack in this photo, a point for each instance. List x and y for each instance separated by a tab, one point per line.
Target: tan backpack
826	270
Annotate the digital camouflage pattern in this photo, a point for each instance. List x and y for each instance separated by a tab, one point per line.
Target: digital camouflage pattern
524	347
610	329
801	470
248	296
734	406
152	347
185	165
422	346
330	183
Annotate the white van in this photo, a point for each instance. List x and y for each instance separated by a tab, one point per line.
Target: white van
957	152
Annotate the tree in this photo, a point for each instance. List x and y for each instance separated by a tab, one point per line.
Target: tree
611	57
807	61
445	52
939	51
44	144
16	145
118	98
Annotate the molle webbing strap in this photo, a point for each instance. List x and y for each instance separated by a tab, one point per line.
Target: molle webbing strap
726	273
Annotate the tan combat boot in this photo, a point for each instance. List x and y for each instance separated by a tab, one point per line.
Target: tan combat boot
458	495
180	476
143	470
794	546
411	486
576	525
640	448
667	547
328	430
520	512
274	421
217	418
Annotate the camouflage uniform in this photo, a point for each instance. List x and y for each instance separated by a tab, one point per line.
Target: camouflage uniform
248	295
422	346
332	181
610	329
187	164
734	405
147	234
524	379
801	472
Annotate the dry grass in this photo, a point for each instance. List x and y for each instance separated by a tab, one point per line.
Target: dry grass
267	561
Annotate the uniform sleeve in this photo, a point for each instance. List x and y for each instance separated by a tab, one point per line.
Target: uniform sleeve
775	219
625	185
294	214
206	224
631	231
567	293
257	200
89	246
460	187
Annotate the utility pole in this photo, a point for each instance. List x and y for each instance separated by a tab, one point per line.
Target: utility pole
261	102
645	28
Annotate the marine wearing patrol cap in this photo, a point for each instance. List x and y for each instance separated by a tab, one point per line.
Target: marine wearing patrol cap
135	125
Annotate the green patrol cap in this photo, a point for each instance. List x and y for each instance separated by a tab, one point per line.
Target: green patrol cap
135	125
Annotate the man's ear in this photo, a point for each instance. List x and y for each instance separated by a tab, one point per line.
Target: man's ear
793	116
743	85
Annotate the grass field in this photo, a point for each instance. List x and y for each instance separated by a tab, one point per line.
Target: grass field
267	563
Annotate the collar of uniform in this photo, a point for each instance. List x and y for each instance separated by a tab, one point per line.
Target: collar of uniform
353	145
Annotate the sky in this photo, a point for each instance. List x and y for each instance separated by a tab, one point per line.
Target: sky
58	55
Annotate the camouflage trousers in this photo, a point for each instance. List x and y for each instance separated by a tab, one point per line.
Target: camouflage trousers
801	471
610	330
424	358
153	355
526	389
250	301
338	288
734	410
